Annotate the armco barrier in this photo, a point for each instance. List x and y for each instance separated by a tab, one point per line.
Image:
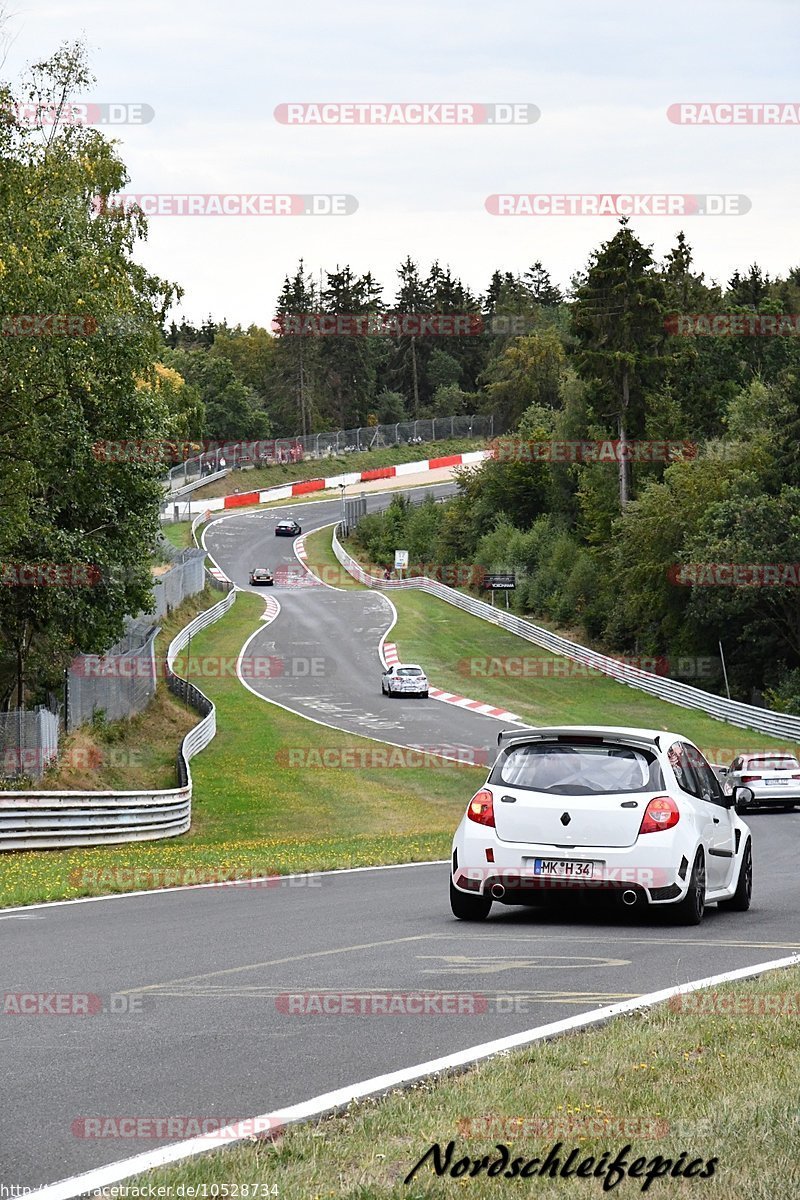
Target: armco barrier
745	716
46	820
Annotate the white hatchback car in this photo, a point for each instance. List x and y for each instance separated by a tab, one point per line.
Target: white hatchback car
635	812
405	679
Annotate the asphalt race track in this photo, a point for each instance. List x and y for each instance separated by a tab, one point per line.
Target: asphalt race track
340	632
202	978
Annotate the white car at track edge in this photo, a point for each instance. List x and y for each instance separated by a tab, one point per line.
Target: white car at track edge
635	813
405	679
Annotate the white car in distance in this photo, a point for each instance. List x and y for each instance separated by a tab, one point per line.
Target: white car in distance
405	679
635	813
772	778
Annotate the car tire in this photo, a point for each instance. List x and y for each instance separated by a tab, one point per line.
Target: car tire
469	908
740	900
689	910
424	695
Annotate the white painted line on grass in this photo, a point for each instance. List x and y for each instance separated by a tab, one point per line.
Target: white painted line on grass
328	1102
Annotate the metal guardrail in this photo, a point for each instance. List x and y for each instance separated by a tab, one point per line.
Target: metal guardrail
745	716
39	820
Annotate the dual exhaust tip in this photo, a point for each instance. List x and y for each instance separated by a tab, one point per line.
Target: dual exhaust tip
629	896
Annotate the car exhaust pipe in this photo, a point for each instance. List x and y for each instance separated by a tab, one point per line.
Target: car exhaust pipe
498	891
629	897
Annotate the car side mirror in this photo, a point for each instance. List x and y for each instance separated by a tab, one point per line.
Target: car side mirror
742	796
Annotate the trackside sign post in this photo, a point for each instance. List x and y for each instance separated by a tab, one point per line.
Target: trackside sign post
506	582
400	560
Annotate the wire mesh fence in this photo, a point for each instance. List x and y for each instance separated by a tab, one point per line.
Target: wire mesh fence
269	452
186	577
116	684
28	742
122	681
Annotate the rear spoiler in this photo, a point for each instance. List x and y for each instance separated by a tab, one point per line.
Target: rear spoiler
509	735
506	735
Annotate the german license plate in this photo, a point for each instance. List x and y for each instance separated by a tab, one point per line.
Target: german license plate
777	782
565	868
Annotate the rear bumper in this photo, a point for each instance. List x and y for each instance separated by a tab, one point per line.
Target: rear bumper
763	795
656	872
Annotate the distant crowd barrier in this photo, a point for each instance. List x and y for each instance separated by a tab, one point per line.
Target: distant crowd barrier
216	457
189	509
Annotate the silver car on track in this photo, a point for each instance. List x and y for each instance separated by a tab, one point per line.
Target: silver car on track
772	778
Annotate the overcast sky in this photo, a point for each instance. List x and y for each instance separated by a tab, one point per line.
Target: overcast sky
602	74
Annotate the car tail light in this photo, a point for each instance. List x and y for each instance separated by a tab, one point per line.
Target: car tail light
796	777
481	808
751	779
661	813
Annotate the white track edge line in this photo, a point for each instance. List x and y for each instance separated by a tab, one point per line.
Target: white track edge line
77	1185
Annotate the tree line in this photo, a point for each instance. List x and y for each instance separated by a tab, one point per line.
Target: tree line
650	494
295	377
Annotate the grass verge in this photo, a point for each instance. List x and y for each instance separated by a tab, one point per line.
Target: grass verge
250	799
179	533
666	1082
324	563
341	464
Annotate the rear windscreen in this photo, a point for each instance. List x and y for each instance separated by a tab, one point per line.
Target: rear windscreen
409	671
772	764
578	770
